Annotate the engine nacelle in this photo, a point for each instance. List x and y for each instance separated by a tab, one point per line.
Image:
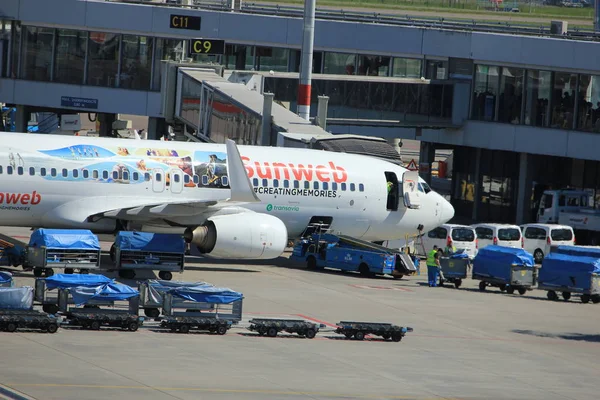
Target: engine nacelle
240	236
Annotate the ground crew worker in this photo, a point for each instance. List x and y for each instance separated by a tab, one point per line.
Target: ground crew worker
450	249
432	266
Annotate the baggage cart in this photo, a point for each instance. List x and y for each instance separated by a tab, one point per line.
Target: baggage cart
152	296
95	318
69	249
272	326
506	268
455	268
11	320
45	295
133	251
6	279
358	330
571	272
197	306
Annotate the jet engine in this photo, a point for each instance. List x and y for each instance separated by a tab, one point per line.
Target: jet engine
240	236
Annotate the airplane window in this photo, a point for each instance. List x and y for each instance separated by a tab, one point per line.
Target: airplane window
333	185
43	171
286	184
95	174
86	174
186	178
75	173
255	182
147	176
65	173
315	184
196	179
104	174
0	169
136	176
31	171
125	175
158	177
325	186
426	187
361	187
9	170
205	180
53	171
176	178
306	185
296	184
20	170
275	182
265	182
225	180
352	187
343	187
115	175
420	188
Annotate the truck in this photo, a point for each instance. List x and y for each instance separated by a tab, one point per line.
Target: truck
571	207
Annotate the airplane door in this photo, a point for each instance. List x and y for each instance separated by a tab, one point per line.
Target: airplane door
158	180
176	183
410	189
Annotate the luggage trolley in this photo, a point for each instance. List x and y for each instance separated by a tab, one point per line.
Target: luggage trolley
62	248
16	311
133	251
207	308
455	268
6	279
152	295
506	268
571	271
359	330
50	301
272	326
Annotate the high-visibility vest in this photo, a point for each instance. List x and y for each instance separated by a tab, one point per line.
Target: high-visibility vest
431	258
453	249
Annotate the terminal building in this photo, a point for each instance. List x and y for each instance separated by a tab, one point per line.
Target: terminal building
520	110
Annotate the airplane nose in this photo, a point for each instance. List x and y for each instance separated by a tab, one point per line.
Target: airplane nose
447	211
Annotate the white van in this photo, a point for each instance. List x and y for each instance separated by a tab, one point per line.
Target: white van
463	237
499	235
538	238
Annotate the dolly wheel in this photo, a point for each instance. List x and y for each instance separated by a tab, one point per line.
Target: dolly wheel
482	286
566	296
510	290
37	272
113	253
271	332
348	335
596	299
48	272
552	295
311	262
310	333
457	283
522	291
152	312
165	275
585	298
359	335
11	327
69	271
95	325
184	328
221	330
396	337
133	326
52	327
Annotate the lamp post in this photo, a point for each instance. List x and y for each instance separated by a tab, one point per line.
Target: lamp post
308	37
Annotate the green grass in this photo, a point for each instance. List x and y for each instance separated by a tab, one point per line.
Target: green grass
467	7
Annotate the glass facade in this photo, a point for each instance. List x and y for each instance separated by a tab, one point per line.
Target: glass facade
537	98
406	68
485	92
588	118
339	64
189	105
136	62
36	55
228	121
69	57
511	95
103	59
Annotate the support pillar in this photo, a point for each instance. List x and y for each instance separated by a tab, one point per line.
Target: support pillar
524	189
322	112
426	158
477	189
265	139
157	128
308	37
106	122
22	117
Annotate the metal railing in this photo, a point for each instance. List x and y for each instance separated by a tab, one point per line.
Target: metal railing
474	25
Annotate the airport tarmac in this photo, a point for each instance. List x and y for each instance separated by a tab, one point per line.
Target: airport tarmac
466	345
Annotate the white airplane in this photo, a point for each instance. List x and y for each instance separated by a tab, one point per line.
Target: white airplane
228	205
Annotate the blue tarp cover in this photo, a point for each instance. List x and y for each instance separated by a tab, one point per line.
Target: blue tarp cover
496	261
5	277
145	241
585	251
64	239
112	291
68	281
459	254
568	270
206	294
16	298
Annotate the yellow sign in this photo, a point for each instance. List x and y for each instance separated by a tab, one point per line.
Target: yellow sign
184	22
206	46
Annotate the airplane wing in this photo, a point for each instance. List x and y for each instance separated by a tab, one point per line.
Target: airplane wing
135	208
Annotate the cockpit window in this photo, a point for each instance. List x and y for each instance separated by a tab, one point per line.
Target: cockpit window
424	187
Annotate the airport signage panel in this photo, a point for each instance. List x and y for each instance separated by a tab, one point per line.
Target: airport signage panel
184	22
78	102
206	46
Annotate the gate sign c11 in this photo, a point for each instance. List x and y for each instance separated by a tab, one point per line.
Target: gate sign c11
78	102
206	46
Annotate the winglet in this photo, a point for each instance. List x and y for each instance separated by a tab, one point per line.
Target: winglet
241	188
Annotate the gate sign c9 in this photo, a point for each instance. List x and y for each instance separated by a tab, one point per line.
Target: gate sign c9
206	46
